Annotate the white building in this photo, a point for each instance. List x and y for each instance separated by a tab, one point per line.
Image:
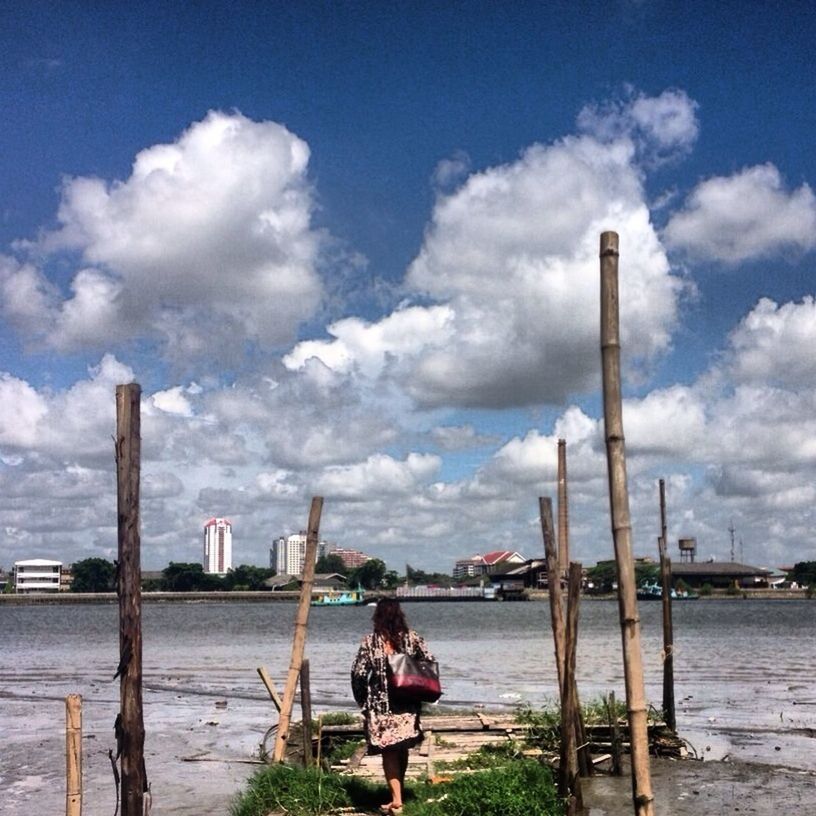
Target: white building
288	553
37	575
218	546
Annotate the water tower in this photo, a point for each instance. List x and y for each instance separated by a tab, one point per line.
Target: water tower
688	549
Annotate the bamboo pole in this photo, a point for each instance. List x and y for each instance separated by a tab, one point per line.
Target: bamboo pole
669	713
301	624
270	687
568	778
306	715
563	510
621	527
73	755
128	588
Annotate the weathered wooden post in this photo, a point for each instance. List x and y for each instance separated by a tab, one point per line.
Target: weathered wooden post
614	733
306	712
301	624
569	781
563	509
585	766
553	584
621	527
668	630
130	722
73	755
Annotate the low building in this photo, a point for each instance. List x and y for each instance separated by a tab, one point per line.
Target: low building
497	561
720	574
37	575
532	574
351	558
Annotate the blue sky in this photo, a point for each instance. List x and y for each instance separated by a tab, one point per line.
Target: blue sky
351	249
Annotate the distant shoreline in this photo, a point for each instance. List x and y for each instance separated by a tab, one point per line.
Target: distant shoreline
68	598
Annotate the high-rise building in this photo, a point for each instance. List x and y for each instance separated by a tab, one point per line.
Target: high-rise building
288	553
218	546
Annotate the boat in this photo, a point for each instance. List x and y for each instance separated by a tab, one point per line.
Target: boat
332	597
652	591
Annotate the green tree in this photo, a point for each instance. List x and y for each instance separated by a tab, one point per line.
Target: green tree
369	575
93	575
804	573
247	577
186	577
331	563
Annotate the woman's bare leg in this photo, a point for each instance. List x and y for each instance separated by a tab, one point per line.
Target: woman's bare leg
392	765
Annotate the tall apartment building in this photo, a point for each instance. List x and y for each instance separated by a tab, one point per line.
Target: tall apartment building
288	553
217	546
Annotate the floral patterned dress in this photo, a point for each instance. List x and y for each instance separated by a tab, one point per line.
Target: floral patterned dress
386	725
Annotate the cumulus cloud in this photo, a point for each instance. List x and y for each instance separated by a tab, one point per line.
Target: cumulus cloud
661	127
379	475
745	216
208	243
774	343
510	265
513	252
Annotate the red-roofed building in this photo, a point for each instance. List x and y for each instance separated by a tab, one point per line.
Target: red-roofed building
495	561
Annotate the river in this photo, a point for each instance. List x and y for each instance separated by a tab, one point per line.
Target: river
745	685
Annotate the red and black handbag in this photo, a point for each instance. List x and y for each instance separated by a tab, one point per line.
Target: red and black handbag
412	679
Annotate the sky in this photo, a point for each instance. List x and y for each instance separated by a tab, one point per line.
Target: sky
351	250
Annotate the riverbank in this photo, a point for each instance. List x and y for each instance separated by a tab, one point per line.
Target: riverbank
69	598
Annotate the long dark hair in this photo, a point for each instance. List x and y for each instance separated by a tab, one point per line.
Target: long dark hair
389	621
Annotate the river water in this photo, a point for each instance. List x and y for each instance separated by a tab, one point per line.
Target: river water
744	682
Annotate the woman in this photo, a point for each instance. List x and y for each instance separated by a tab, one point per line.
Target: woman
390	728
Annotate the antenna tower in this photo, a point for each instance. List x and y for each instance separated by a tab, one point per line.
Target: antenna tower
732	531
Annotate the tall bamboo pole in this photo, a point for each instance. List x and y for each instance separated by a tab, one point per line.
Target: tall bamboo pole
621	527
73	755
668	630
563	509
129	590
301	624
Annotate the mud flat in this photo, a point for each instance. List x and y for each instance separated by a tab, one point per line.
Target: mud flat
691	788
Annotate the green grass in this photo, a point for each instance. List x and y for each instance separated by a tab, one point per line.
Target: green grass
508	785
522	787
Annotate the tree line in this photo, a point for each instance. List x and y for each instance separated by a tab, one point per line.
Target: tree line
99	575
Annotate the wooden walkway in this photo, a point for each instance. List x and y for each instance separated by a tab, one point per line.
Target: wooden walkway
447	738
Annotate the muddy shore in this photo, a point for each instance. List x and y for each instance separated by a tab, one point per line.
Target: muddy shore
691	788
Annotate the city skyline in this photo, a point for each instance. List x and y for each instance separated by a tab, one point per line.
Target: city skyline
351	251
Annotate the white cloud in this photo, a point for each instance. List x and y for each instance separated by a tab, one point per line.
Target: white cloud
172	401
459	437
775	344
666	421
367	347
208	243
380	475
514	253
21	411
662	127
745	216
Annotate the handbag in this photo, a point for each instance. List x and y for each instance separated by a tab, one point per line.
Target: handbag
413	679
